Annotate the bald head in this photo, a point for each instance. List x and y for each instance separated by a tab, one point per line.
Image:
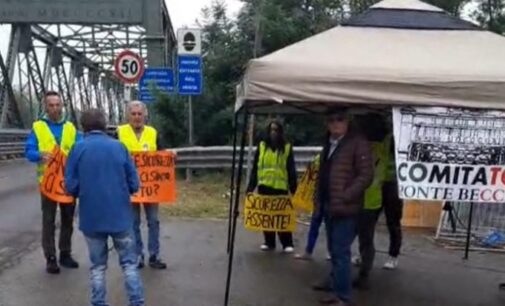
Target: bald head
137	112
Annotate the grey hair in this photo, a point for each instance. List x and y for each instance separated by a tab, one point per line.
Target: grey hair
136	103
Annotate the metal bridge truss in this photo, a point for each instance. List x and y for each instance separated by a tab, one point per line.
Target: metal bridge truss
77	61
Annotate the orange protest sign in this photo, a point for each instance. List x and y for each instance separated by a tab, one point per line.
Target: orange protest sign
157	177
53	183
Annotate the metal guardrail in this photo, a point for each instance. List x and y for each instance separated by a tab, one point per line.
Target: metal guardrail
222	157
12	143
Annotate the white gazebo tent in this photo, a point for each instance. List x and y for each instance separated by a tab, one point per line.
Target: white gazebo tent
399	52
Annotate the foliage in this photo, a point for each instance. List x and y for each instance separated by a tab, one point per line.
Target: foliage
263	27
491	14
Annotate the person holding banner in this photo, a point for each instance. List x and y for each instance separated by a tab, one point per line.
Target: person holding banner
101	173
274	173
52	131
139	137
345	173
317	217
373	126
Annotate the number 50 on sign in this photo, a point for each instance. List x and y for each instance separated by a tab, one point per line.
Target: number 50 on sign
129	66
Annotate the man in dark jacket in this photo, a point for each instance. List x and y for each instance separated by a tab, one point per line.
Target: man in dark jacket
346	172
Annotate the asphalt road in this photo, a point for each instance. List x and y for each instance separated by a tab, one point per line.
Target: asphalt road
195	252
20	213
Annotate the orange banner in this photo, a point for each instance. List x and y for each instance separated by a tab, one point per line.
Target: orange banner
53	183
157	177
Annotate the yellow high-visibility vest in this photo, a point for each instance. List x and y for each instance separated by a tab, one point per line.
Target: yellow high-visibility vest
146	143
272	167
373	194
47	141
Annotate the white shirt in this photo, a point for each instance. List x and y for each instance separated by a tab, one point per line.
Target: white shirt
333	147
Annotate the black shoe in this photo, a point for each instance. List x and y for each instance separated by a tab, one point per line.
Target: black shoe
323	286
361	283
156	263
52	266
68	262
502	286
140	265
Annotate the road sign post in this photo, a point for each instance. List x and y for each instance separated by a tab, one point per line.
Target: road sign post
190	75
129	67
189	68
158	79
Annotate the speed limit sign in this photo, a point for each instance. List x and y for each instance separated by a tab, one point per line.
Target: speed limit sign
129	66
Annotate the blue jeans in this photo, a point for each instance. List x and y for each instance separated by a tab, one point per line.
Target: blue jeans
315	224
98	254
341	232
153	225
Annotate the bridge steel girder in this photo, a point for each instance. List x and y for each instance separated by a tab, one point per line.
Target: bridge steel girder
92	35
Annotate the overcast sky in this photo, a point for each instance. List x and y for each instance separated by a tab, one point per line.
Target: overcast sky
184	14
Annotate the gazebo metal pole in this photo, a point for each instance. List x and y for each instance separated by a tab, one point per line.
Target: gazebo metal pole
236	212
232	180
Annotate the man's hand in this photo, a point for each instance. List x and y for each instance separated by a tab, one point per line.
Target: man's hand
46	157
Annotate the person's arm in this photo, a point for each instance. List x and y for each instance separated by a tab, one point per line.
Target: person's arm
32	149
131	173
72	172
292	175
253	181
364	166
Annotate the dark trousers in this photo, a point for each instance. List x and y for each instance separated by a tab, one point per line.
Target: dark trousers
365	231
393	209
286	239
49	208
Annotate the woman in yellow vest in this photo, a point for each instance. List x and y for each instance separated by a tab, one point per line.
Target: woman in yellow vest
274	173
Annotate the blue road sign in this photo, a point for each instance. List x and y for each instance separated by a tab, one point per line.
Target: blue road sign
190	75
161	79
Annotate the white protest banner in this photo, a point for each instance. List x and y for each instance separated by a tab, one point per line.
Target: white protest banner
450	154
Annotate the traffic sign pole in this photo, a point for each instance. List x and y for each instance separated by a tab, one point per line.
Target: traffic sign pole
190	130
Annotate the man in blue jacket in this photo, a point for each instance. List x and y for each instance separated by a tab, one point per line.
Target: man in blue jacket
52	130
102	175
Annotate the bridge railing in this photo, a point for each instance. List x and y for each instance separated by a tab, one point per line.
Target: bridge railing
221	157
12	143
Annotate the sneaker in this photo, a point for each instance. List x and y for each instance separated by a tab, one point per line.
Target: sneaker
391	263
156	263
52	266
289	250
68	262
328	257
265	248
304	256
356	260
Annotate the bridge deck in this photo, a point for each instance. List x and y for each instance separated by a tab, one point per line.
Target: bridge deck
195	252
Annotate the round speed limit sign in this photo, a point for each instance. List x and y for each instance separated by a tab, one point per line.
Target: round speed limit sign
129	66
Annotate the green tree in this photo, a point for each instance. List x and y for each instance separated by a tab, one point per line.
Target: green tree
171	120
491	15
